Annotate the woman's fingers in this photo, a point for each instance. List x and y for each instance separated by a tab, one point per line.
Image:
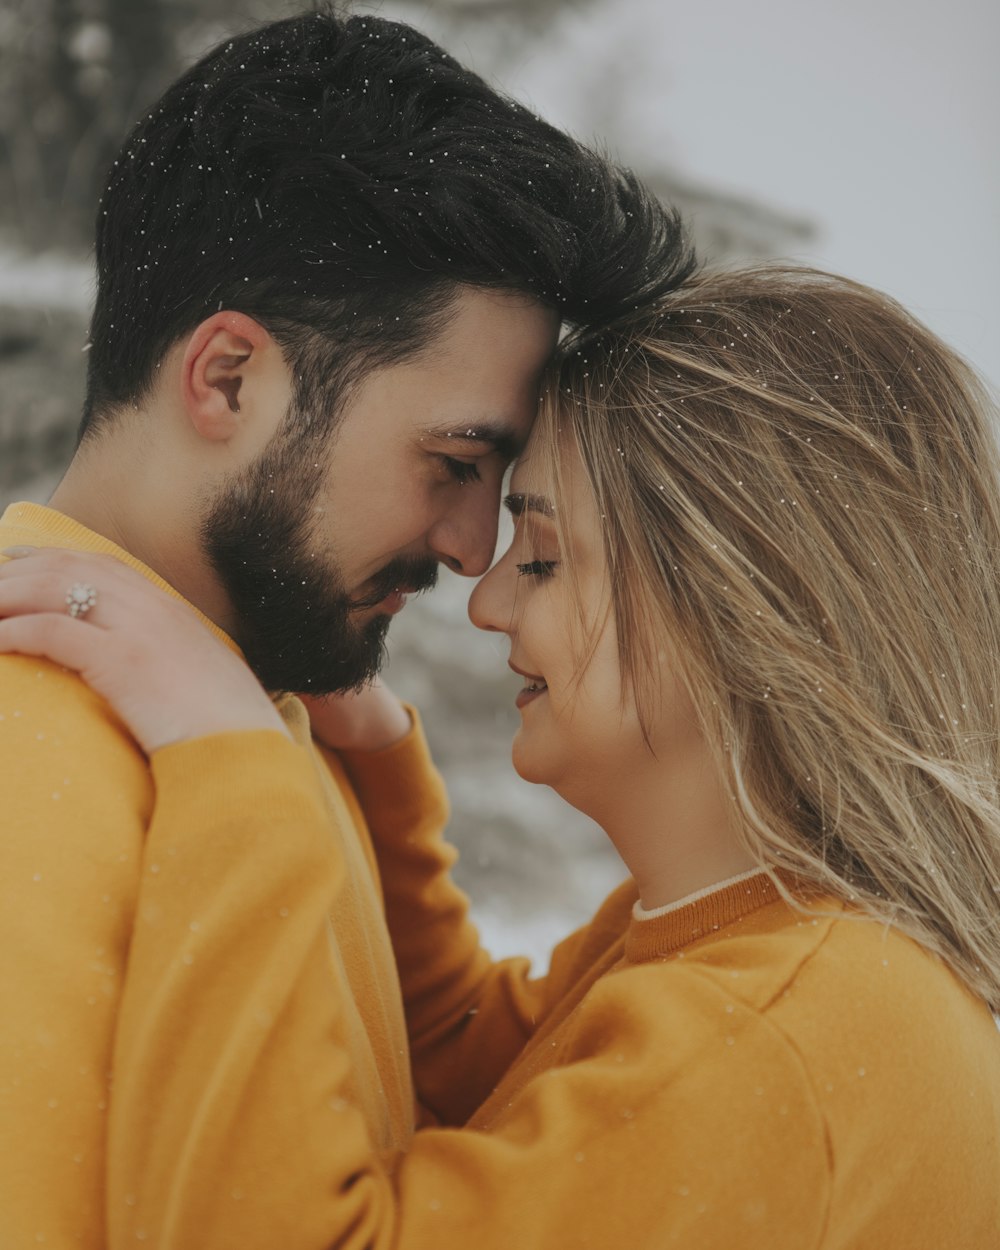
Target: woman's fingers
51	636
63	570
40	592
25	560
99	589
143	650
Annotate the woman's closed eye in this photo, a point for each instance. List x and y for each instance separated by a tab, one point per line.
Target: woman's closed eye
537	568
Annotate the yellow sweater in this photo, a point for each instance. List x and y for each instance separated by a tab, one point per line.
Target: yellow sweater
730	1074
78	801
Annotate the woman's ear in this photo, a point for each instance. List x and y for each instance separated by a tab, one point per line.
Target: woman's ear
222	357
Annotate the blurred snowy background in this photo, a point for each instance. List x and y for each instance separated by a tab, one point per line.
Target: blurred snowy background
859	135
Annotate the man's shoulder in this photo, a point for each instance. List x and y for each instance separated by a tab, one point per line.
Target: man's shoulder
31	687
78	796
48	715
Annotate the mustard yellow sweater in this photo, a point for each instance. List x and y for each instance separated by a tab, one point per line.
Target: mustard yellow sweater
78	802
730	1074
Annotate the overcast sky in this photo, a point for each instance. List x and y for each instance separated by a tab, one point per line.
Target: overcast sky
878	120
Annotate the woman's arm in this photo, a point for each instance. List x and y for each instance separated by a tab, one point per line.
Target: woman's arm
468	1016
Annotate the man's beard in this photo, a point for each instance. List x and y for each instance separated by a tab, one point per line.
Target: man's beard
294	617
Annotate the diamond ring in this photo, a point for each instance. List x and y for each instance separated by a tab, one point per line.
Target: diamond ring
80	598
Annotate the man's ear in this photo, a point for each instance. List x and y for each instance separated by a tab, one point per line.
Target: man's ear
225	352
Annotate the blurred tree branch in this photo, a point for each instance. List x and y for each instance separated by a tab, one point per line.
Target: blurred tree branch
73	75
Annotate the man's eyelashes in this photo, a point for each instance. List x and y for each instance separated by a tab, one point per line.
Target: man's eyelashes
461	471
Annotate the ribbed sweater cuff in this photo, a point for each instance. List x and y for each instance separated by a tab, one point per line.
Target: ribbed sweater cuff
399	785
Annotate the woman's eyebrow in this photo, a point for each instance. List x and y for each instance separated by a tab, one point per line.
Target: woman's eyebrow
518	503
499	435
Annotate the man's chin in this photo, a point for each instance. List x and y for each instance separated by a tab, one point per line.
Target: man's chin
312	667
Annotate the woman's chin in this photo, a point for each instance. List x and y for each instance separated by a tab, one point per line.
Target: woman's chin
533	763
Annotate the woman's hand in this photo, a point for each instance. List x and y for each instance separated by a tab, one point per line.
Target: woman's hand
148	654
365	720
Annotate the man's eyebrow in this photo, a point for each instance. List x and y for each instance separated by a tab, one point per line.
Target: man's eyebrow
498	435
518	503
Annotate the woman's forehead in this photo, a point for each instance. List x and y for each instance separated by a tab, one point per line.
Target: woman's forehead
532	470
533	491
526	475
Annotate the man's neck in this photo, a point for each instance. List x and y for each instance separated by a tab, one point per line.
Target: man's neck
85	497
114	495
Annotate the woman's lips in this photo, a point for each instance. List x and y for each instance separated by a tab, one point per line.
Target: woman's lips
533	685
533	690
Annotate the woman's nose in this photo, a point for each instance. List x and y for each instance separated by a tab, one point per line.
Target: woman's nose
491	604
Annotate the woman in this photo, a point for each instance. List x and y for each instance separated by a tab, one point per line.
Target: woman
754	597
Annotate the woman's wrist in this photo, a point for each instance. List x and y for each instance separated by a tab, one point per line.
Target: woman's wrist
369	720
384	728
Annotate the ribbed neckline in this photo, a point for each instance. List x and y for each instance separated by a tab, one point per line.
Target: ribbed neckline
666	933
653	913
40	526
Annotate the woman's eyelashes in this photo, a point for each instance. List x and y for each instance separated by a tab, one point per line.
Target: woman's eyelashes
537	568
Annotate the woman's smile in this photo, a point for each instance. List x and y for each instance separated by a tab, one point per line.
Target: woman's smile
532	691
532	688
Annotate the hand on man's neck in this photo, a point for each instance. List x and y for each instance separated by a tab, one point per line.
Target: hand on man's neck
123	485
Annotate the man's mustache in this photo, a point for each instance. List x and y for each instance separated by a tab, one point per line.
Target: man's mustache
408	575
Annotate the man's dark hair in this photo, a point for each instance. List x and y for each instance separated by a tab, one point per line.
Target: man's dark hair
335	179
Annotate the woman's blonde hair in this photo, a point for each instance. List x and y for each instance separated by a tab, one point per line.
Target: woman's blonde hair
800	487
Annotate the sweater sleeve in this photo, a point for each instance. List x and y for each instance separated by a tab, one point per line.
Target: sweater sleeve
234	1124
467	1015
75	799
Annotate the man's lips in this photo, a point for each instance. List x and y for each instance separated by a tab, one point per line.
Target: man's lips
388	603
395	601
388	589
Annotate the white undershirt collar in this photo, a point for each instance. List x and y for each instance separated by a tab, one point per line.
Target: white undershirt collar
640	912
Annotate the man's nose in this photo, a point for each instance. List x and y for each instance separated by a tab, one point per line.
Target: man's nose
466	538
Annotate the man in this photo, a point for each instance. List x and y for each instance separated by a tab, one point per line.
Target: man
331	265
